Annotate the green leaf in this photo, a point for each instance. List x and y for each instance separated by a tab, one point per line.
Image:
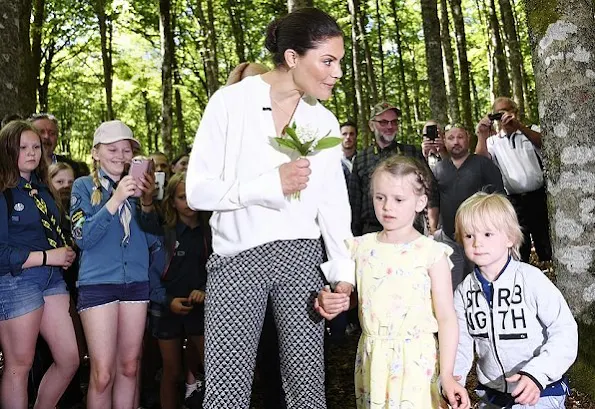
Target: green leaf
288	143
291	132
328	142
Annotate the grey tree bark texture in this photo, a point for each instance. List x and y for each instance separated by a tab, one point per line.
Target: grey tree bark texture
17	83
563	51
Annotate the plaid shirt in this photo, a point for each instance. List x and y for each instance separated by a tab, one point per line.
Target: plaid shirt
362	208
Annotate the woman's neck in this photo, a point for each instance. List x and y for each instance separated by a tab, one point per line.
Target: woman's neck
283	88
26	176
190	221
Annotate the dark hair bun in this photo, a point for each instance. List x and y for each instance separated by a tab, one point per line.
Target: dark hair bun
270	41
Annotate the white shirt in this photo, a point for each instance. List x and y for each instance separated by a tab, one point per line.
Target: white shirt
234	171
517	158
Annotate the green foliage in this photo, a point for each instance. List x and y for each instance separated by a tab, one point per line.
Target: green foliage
77	98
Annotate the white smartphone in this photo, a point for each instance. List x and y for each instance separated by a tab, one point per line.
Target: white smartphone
159	184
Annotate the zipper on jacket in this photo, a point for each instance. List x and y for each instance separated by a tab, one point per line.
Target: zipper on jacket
491	305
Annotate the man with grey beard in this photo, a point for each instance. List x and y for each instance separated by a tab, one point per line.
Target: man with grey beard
384	123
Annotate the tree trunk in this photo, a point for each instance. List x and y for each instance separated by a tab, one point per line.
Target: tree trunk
415	82
17	78
47	73
149	121
36	32
464	70
183	146
167	54
514	52
370	78
380	52
293	5
452	92
431	26
105	32
237	28
360	101
499	57
406	120
209	53
563	46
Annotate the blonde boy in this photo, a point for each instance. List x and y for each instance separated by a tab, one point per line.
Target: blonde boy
517	321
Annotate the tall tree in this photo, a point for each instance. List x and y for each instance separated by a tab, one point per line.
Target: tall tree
167	68
434	64
563	46
452	92
235	12
298	4
380	52
514	53
360	99
106	34
209	49
17	92
36	33
371	77
502	87
464	70
406	106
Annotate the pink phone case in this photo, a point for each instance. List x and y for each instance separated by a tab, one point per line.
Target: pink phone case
137	169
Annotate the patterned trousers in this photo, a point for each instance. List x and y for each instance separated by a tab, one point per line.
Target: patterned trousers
286	274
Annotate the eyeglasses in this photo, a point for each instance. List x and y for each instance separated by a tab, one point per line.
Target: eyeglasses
384	122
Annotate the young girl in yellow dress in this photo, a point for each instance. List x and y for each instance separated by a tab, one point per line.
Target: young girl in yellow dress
405	296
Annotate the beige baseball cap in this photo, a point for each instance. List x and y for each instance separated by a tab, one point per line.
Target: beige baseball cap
114	131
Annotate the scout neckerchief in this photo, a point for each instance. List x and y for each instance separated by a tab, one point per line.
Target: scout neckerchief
52	229
124	210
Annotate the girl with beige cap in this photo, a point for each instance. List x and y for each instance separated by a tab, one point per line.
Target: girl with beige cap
113	278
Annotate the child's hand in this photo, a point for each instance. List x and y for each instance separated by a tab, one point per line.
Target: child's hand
147	187
344	287
329	304
526	392
177	306
125	189
457	395
197	296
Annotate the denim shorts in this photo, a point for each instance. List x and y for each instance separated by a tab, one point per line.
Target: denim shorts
95	295
19	295
168	325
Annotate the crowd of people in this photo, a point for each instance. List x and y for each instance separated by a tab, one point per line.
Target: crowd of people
243	254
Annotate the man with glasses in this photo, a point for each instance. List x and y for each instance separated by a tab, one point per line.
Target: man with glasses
47	125
384	123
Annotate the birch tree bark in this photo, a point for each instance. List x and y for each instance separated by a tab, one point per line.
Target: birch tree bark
563	50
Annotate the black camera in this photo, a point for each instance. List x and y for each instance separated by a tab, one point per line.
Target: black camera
431	132
496	116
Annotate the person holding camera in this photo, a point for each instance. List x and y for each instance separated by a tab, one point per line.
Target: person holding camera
460	175
516	149
384	123
432	146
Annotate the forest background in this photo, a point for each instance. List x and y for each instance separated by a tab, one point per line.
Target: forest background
154	65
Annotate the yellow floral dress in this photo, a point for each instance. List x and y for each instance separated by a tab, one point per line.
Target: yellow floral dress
396	362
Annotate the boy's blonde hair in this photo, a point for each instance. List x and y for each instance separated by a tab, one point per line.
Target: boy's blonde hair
489	210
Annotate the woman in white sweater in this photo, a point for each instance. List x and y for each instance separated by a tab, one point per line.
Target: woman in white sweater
266	244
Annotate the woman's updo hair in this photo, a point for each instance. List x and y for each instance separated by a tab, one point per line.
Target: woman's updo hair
301	30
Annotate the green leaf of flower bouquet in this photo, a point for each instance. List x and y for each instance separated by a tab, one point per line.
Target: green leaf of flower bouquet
293	135
328	142
288	143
